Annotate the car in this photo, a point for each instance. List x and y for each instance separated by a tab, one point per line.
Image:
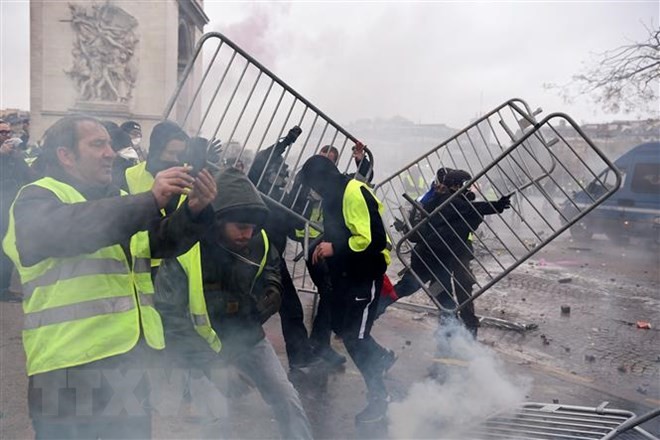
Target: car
633	210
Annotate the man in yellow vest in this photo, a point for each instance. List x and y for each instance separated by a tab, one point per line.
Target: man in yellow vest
308	204
82	252
215	298
356	249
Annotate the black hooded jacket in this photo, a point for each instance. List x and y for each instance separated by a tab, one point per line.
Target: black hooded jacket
161	135
446	233
320	174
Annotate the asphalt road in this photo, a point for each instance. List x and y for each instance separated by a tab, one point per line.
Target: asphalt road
594	354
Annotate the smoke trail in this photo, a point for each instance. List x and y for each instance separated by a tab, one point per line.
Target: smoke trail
471	385
255	34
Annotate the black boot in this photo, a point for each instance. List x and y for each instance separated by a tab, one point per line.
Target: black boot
375	412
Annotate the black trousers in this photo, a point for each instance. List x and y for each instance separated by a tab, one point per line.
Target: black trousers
292	319
322	326
354	306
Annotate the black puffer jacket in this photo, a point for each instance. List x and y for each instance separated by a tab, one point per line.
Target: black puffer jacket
231	288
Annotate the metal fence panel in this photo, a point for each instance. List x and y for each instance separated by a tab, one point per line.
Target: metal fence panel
538	421
239	101
553	172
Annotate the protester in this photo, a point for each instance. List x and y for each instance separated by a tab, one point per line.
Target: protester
14	173
214	300
82	253
269	173
135	132
308	204
355	247
443	249
167	145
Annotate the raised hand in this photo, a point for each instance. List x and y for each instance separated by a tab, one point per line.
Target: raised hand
170	182
204	190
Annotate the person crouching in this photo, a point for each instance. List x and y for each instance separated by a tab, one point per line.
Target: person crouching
214	300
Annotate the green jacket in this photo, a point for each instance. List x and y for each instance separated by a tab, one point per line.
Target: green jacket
231	285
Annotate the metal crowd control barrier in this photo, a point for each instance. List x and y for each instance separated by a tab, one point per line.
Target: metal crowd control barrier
538	421
228	95
542	165
239	101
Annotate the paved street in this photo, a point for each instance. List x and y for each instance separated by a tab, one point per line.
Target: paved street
594	354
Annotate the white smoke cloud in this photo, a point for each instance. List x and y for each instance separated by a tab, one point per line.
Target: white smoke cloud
472	384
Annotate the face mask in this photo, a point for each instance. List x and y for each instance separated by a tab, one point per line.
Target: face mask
136	141
156	165
128	153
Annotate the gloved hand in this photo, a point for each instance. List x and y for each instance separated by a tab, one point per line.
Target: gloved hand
213	151
399	225
269	303
503	203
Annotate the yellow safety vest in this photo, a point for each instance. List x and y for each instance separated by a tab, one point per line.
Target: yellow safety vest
315	216
191	262
140	180
88	307
356	218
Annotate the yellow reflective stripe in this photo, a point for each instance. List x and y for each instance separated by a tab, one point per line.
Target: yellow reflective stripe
199	319
74	269
262	264
142	265
88	309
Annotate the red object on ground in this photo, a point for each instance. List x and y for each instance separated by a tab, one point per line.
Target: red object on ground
644	325
388	289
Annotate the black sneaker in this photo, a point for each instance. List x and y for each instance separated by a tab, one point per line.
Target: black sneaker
308	361
376	411
330	356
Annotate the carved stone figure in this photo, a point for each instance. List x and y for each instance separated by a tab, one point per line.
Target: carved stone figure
104	52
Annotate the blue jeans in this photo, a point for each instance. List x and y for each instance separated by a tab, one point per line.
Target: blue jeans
263	367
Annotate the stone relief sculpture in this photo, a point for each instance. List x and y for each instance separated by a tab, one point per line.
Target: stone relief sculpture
104	52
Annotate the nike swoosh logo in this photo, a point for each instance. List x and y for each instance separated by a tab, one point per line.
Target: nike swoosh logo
361	299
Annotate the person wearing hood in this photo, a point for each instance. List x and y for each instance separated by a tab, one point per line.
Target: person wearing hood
215	299
355	247
445	251
167	146
306	203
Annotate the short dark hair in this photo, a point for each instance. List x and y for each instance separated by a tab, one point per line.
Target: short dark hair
63	133
327	149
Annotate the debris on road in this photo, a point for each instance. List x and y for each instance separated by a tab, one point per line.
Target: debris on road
565	309
565	280
590	358
506	325
644	325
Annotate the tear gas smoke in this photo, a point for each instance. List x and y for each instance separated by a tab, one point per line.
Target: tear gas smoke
472	384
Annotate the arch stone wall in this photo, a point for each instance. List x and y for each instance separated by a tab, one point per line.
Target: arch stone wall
114	59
